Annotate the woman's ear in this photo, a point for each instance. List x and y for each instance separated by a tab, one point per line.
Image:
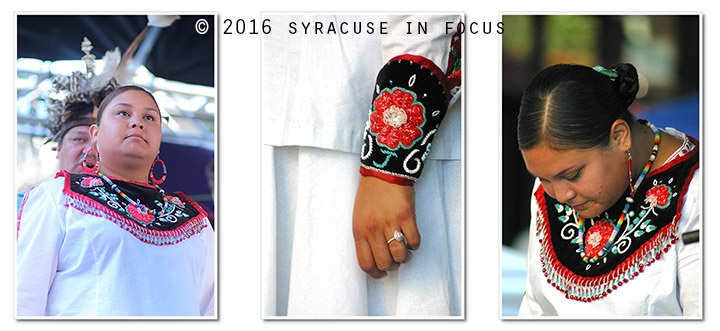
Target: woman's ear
94	132
620	135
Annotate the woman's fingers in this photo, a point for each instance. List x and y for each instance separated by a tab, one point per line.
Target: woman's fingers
383	259
399	251
407	239
412	235
366	259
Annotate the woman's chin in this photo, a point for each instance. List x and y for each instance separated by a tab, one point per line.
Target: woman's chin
137	154
589	213
131	158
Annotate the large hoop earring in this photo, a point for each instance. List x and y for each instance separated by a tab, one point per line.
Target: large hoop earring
152	177
95	168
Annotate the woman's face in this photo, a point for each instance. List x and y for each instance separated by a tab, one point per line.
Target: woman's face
589	180
130	128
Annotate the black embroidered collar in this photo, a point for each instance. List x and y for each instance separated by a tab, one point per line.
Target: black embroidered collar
649	230
181	219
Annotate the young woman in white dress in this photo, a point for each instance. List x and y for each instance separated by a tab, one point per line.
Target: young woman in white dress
616	203
110	241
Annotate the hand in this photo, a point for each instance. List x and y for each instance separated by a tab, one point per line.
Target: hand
380	209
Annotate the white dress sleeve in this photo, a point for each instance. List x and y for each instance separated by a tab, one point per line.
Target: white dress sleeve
207	285
689	263
531	304
40	236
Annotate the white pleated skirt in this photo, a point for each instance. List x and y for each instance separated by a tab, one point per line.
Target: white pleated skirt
309	262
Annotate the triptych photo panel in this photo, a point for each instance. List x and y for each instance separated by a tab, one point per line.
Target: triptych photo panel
364	205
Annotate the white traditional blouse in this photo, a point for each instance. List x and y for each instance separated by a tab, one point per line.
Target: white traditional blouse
78	257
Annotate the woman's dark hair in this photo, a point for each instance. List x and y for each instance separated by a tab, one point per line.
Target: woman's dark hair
573	106
108	98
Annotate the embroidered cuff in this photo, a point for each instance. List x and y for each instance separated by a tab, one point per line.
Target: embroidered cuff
409	102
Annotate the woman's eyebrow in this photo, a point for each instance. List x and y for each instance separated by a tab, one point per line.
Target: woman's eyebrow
153	109
122	104
130	105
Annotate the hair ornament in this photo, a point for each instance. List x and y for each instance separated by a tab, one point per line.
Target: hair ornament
612	73
89	88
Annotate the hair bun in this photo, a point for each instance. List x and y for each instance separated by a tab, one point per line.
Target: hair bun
627	81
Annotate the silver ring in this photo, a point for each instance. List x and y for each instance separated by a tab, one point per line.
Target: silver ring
397	235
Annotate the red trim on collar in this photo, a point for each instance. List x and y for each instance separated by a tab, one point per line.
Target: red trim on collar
677	160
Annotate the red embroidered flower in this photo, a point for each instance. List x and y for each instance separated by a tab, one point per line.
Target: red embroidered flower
659	196
397	118
91	182
177	201
597	236
140	215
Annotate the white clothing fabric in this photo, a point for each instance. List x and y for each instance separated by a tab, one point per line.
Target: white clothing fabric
671	286
310	265
317	92
70	263
317	88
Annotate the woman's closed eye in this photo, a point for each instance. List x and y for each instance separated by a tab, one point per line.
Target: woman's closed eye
573	176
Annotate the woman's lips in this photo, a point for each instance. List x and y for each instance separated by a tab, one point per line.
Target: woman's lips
581	206
136	136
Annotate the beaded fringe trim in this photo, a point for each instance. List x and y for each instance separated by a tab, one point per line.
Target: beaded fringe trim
587	289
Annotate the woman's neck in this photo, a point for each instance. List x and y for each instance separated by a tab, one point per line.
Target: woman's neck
643	140
135	175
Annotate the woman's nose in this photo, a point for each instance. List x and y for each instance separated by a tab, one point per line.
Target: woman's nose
135	124
563	192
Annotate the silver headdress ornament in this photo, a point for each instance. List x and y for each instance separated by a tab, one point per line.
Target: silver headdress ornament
81	92
85	90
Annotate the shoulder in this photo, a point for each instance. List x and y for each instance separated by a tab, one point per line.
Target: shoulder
42	210
689	215
53	186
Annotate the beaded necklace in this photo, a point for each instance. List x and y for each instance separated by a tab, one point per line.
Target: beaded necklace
138	205
629	200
